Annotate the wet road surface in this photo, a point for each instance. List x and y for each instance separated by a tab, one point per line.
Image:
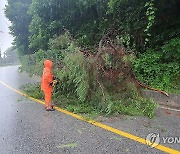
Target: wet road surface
25	127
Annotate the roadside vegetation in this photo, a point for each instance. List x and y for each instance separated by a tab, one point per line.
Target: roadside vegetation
9	57
101	49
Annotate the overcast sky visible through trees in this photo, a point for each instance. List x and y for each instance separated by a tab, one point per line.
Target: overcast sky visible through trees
5	38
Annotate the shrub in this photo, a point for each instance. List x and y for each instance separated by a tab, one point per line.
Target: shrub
160	68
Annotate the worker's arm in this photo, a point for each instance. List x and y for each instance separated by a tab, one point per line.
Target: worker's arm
48	78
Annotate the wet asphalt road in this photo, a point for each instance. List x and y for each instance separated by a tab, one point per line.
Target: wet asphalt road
25	127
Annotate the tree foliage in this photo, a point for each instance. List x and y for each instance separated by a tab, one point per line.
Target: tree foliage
16	12
10	57
60	29
141	24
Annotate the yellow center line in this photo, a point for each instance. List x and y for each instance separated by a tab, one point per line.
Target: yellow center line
98	124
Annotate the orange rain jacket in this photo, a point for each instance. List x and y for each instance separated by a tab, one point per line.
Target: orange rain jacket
47	77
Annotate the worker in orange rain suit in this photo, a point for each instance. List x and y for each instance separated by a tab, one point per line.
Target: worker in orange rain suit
46	84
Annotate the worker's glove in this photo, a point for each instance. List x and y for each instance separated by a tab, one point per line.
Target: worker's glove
53	83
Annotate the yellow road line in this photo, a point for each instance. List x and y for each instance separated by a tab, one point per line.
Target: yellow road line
98	124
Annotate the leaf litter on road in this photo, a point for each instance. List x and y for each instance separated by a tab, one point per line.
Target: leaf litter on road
69	145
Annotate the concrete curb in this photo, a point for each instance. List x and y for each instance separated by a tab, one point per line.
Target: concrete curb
172	101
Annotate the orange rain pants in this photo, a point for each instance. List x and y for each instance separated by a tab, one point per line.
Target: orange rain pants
48	97
47	78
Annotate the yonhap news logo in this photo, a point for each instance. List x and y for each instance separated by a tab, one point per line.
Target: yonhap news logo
154	139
